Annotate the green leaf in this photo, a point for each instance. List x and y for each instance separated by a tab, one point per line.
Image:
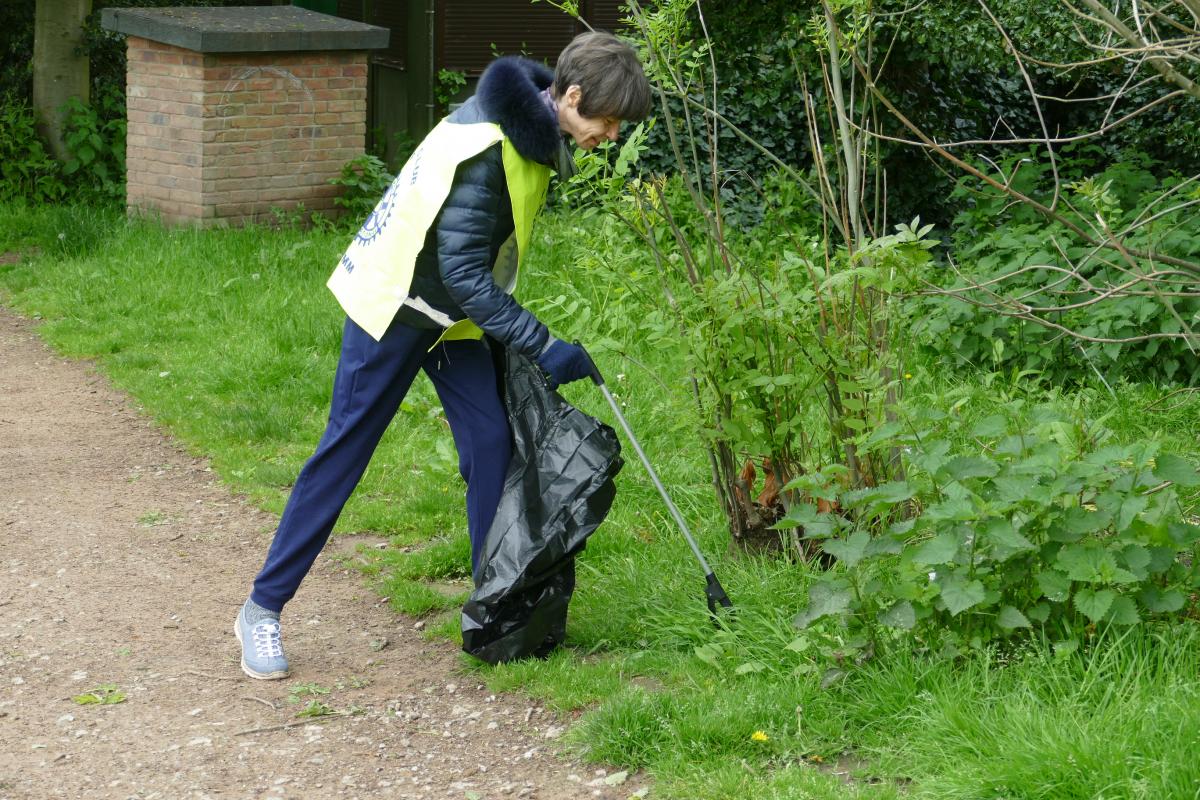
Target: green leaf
1039	612
1006	540
710	654
315	708
901	615
1161	559
799	644
887	494
884	433
884	545
1184	533
990	427
939	550
1065	648
798	516
1010	618
1158	601
1054	585
1094	604
831	676
750	667
959	595
963	467
1169	467
1089	563
1077	522
1123	611
958	509
848	551
1137	558
1013	489
1130	509
105	695
824	599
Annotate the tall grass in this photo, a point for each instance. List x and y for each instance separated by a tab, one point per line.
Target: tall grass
228	339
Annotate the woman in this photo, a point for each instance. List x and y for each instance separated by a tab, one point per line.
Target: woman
428	275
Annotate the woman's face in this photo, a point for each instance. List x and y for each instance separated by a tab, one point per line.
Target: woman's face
586	131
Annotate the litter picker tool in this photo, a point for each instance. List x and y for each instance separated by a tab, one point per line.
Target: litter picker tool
714	593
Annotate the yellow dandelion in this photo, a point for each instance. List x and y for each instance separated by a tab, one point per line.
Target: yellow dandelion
759	736
908	376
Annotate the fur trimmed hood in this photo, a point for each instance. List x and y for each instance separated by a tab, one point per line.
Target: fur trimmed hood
508	94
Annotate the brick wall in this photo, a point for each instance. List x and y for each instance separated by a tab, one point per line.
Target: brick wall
227	137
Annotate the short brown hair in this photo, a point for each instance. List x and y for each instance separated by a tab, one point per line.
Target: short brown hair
609	75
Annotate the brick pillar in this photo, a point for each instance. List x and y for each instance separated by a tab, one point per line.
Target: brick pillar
234	112
230	136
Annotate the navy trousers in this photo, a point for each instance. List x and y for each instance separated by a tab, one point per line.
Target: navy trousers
371	380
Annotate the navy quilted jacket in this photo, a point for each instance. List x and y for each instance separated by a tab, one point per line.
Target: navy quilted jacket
452	277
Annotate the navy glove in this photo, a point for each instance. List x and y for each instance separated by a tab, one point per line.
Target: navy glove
564	362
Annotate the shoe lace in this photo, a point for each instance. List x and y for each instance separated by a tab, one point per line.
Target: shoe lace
268	641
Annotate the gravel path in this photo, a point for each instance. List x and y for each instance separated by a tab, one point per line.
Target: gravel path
123	563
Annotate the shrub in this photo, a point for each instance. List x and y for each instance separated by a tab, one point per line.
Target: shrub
95	138
26	169
1044	527
994	240
364	180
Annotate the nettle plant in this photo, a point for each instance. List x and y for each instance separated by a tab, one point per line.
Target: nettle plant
1043	528
1029	266
95	137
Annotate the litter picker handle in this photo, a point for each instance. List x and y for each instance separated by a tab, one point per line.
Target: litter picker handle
713	591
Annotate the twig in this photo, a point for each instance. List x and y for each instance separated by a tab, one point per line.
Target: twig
1169	395
295	724
266	703
1092	364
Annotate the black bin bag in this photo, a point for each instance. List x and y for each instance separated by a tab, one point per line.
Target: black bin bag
557	491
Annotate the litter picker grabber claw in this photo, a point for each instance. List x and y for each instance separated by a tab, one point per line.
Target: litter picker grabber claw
713	591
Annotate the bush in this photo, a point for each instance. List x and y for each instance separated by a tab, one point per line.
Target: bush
993	238
1044	527
26	169
947	69
95	138
364	180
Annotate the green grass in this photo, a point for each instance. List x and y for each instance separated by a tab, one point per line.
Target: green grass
228	338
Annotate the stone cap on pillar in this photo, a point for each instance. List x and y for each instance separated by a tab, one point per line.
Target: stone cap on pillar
244	29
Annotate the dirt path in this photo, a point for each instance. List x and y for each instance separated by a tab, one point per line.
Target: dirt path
123	561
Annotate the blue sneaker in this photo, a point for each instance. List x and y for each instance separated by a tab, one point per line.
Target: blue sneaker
262	647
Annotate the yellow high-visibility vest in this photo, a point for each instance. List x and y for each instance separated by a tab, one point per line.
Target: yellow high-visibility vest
372	280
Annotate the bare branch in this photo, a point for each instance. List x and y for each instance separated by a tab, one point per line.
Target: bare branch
1004	307
850	155
1037	107
1029	201
1124	90
1163	66
933	145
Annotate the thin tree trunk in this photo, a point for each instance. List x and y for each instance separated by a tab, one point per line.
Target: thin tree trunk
60	67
